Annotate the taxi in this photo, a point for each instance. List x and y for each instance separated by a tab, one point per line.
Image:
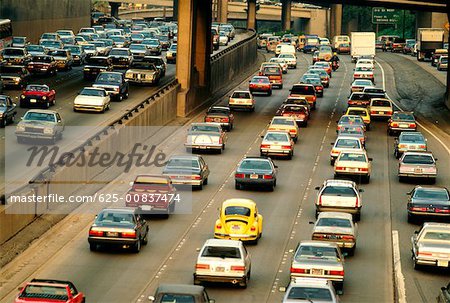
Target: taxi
287	124
362	112
239	219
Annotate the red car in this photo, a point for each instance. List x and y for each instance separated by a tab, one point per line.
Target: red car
299	112
37	95
46	291
260	84
42	64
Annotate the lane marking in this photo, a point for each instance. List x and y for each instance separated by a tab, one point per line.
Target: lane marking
398	275
418	123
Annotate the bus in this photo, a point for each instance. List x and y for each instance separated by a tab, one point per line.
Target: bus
5	33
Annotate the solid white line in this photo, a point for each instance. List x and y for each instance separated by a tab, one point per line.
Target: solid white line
418	123
398	277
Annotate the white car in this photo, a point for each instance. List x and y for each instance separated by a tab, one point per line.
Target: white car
361	72
281	62
310	290
290	59
344	144
222	260
277	143
92	99
366	62
381	108
223	39
353	163
242	99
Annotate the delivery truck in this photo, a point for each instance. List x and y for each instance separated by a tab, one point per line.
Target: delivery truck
363	44
428	40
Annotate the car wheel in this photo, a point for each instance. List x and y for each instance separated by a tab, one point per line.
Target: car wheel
390	132
289	157
396	154
271	187
332	161
411	219
295	139
243	283
417	266
92	246
401	179
137	246
351	251
145	240
197	282
236	185
172	208
433	180
357	217
305	124
53	102
367	179
200	187
120	97
269	93
205	182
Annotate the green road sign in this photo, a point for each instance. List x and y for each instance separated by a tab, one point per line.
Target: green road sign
381	15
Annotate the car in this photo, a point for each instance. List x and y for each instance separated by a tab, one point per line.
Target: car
359	99
137	38
353	163
287	124
92	99
324	77
339	196
14	76
401	121
275	75
143	72
431	245
361	72
318	86
444	294
428	202
15	56
37	95
40	290
260	84
362	112
187	170
299	112
35	50
222	260
40	124
222	115
120	41
442	63
367	62
153	45
310	290
65	33
7	110
120	227
282	62
121	57
152	194
324	65
241	99
359	84
409	141
95	65
350	120
256	171
77	53
375	92
50	45
336	227
114	83
437	54
319	259
171	54
223	38
347	144
306	91
307	76
409	45
277	143
19	42
42	64
381	108
417	164
348	130
164	41
205	136
102	48
297	101
179	292
290	59
63	58
158	62
239	220
315	57
343	48
137	50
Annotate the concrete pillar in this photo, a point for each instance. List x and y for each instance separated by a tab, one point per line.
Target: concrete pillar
251	14
286	14
184	53
114	9
336	20
222	7
447	94
203	41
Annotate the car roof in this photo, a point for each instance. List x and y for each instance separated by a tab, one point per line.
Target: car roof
346	138
119	210
436	224
180	289
44	111
297	281
318	243
241	91
239	201
223	242
219	107
431	187
416	152
357	108
335	214
338	182
191	157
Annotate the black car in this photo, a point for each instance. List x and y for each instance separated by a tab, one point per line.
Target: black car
428	202
14	76
7	110
95	65
256	171
121	57
139	51
114	83
159	63
444	295
181	293
118	226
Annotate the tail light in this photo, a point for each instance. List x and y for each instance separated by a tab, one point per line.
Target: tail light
219	226
265	145
208	119
285	147
225	120
422	146
298	270
220	140
427	254
201	266
318	88
394	124
302	116
292	131
196	177
320	201
357	202
252	228
318	236
363	169
267	177
402	146
239	175
129	234
445	211
237	268
418	208
252	85
389	112
373	112
348	238
95	233
412	125
336	272
314	98
340	168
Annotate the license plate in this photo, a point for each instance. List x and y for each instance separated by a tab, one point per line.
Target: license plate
403	125
412	147
351	169
112	234
235	227
316	271
253	176
32	100
381	113
442	263
146	207
216	119
220	269
430	209
418	170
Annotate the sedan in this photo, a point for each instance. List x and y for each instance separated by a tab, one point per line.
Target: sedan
359	84
63	58
37	95
358	99
118	226
287	124
299	112
92	99
242	99
362	112
428	202
344	144
187	170
401	121
7	110
336	227
431	245
277	143
351	120
319	259
310	290
351	163
256	171
240	220
409	141
318	86
260	84
353	131
363	73
222	115
414	164
380	108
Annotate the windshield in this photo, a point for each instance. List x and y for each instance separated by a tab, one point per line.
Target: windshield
337	222
310	294
51	43
347	143
314	252
237	210
115	217
34	48
431	194
46	59
277	137
221	252
138	47
13	52
411	138
352	157
37	116
88	47
403	116
417	159
37	88
151	42
280	121
73	49
183	163
58	54
344	191
255	164
18	40
93	92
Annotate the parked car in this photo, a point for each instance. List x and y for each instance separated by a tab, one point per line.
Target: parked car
417	164
221	260
120	227
179	292
39	290
7	110
40	124
189	170
37	95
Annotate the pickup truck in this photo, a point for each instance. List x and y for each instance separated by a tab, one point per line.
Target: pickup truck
205	136
114	83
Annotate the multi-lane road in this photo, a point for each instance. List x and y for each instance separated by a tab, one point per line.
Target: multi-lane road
118	276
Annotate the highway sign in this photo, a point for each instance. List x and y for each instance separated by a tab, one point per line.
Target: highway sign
381	15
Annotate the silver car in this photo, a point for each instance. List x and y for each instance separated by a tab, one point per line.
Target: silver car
310	290
415	164
409	141
187	170
277	143
40	124
431	245
319	259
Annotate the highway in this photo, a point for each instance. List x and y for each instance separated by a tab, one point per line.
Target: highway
120	276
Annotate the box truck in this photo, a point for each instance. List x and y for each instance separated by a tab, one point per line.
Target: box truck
428	40
363	44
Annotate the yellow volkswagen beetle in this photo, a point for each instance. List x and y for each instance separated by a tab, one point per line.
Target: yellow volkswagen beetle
239	220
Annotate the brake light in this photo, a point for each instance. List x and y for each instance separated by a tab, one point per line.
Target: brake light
314	98
389	112
336	272
356	75
318	236
265	146
320	201
239	175
422	146
129	234
237	268
208	119
224	120
201	266
196	177
318	88
445	211
372	112
220	141
425	254
267	177
219	226
402	146
297	270
418	208
252	228
412	125
394	124
357	202
347	238
340	168
286	147
364	169
292	131
95	233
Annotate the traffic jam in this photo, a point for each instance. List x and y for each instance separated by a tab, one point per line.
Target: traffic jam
116	57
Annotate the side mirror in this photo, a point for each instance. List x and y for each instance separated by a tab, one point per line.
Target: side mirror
370	159
332	143
20	288
282	289
311	222
317	187
197	249
416	232
262	136
435	159
276	166
361	190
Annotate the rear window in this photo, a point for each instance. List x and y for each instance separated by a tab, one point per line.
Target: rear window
279	121
303	90
337	222
412	138
356	112
177	298
403	116
363	97
221	252
418	159
381	103
352	157
237	210
309	294
433	194
276	137
347	143
435	235
241	95
272	71
339	191
256	164
261	80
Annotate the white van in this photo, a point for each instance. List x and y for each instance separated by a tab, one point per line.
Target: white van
287	49
339	40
